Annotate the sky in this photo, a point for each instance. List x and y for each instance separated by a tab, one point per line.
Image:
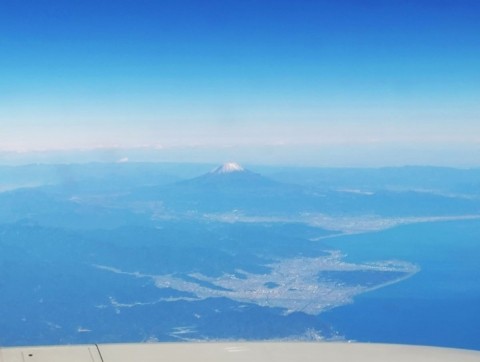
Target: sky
324	83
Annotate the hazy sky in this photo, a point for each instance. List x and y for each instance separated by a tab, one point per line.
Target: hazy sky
365	82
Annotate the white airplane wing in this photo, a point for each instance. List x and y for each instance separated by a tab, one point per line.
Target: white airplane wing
237	352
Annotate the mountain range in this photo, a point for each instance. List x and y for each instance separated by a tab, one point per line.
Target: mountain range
231	187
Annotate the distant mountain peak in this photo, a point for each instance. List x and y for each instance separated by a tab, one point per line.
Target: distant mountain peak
228	167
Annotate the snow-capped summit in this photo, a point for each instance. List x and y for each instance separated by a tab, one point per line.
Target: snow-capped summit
228	179
228	167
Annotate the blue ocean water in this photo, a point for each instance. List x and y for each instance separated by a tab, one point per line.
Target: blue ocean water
439	306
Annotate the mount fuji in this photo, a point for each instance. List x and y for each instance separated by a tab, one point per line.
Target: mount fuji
232	177
227	187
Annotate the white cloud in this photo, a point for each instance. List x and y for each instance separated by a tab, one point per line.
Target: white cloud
123	160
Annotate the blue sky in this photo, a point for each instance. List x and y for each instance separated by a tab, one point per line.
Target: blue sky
335	83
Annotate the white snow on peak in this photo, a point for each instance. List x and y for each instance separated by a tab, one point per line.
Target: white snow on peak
228	168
